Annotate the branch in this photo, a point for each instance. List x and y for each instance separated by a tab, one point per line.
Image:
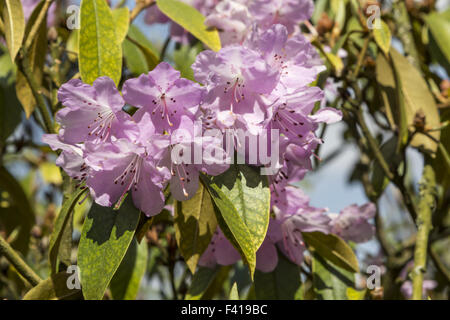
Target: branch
426	204
20	265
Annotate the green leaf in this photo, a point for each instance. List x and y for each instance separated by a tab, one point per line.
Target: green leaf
127	280
10	110
14	24
54	288
63	226
234	294
414	94
7	68
335	61
191	20
50	173
37	56
105	239
249	192
332	248
393	158
354	294
201	281
439	25
233	225
140	55
442	161
72	45
121	18
100	53
184	58
330	282
195	224
280	284
24	212
383	37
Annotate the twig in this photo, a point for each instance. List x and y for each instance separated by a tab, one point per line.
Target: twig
361	57
164	49
20	265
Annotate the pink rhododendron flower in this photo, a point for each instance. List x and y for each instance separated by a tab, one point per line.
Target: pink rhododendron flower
232	19
164	96
122	165
92	113
352	223
289	13
235	78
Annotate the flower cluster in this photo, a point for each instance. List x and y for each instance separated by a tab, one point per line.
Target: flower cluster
259	84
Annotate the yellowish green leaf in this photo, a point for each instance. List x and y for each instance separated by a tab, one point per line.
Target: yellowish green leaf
191	20
382	37
14	25
332	248
50	173
100	53
121	18
195	224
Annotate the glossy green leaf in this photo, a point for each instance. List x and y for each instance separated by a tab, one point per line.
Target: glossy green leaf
121	18
382	37
37	56
127	280
441	163
280	284
54	288
62	232
393	158
14	25
415	95
100	53
191	20
184	58
330	282
332	248
24	212
233	225
195	224
234	294
439	25
10	110
249	192
105	239
201	281
140	55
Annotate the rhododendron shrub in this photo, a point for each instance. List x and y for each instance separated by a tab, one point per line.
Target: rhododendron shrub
201	155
